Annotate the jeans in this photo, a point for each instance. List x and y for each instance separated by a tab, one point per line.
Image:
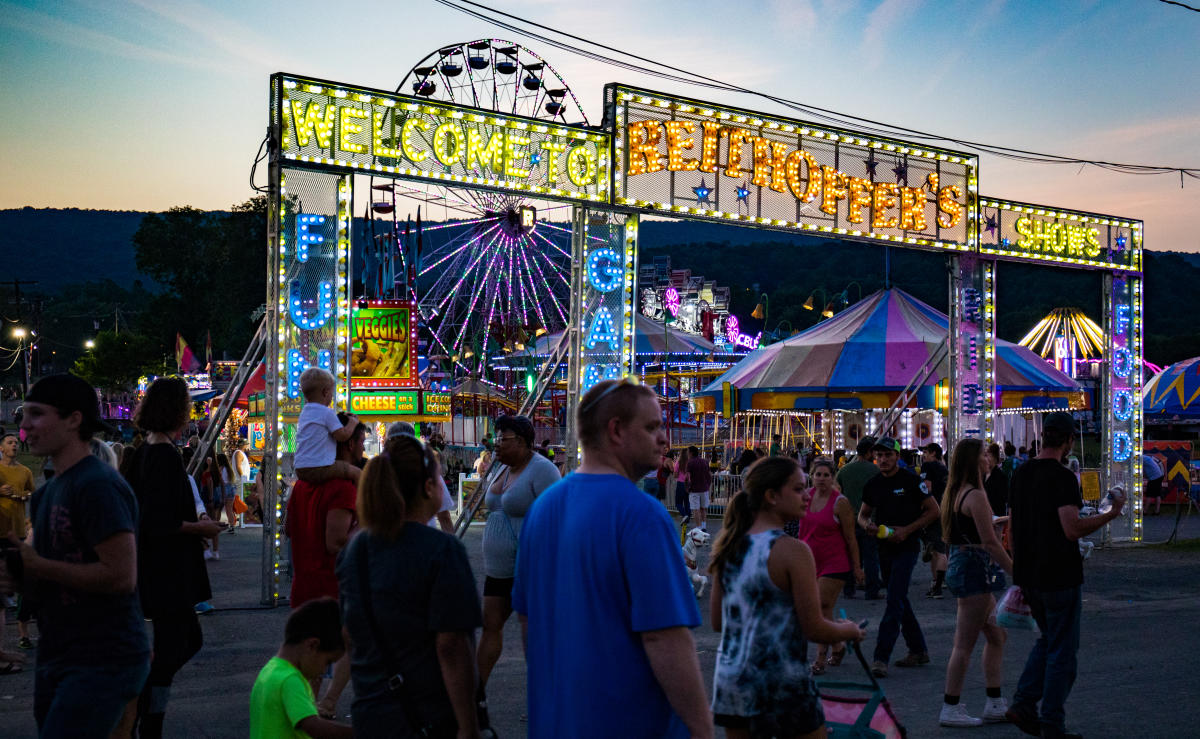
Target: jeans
79	701
868	551
896	564
1050	670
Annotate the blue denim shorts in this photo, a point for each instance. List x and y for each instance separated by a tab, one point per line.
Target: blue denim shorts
972	572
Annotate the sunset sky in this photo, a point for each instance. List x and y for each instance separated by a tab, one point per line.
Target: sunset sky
147	105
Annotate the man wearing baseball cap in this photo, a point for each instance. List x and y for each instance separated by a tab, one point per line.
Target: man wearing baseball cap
93	657
1045	501
898	500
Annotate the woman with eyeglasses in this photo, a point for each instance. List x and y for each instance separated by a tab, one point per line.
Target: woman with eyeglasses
409	604
519	477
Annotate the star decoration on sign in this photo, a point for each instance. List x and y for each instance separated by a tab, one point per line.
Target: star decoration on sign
991	224
1004	242
743	193
702	192
901	171
872	163
536	158
1120	242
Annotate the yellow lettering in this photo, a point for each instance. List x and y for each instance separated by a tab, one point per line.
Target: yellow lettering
884	199
512	156
860	192
733	156
490	155
581	165
347	127
553	149
406	145
833	189
1091	239
643	155
812	175
679	140
949	206
912	209
773	155
1024	227
711	146
381	149
314	118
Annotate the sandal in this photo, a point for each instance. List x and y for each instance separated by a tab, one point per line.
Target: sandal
838	656
818	667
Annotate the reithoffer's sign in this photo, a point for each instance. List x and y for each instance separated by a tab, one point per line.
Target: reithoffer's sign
693	159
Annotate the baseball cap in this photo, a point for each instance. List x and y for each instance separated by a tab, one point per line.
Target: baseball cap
401	428
887	444
68	393
1059	421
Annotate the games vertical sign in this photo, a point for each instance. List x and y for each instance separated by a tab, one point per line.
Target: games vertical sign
606	307
972	339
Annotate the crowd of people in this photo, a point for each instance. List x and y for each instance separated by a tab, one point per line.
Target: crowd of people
384	597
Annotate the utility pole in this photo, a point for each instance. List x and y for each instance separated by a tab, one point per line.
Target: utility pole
27	352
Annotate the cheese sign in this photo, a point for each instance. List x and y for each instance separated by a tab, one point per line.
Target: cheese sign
402	403
383	345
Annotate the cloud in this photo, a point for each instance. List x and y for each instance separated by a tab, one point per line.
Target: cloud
881	24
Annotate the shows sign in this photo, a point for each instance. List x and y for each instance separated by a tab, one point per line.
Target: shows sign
383	352
1047	234
696	159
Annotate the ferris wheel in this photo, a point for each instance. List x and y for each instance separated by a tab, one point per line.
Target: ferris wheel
495	271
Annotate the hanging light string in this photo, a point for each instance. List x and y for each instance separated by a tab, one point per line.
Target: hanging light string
509	22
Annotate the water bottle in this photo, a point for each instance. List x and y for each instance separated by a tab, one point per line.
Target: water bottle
1106	504
884	531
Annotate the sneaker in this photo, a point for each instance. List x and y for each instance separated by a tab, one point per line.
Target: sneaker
935	592
1025	718
956	715
879	669
208	554
216	555
26	643
995	711
204	607
913	659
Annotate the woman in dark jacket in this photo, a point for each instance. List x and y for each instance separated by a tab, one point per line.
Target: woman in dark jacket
172	578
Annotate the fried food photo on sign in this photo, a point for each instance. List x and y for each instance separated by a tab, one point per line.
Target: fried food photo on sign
392	362
365	357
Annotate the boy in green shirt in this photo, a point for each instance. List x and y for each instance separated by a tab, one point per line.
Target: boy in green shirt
281	702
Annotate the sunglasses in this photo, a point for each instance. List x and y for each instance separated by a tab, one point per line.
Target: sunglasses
623	382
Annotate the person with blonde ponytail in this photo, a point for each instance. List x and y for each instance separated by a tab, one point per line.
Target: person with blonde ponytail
409	604
766	604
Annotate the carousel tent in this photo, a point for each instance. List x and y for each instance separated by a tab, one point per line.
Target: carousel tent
652	340
1174	392
876	347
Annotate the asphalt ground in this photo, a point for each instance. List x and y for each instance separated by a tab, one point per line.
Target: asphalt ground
1136	663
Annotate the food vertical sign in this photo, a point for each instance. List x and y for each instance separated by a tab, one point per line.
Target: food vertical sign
1122	395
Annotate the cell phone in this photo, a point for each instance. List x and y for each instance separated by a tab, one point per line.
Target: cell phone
863	624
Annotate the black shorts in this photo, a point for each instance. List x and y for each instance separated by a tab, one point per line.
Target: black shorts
802	717
932	536
498	587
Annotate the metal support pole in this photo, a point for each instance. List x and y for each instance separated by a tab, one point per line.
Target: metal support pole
269	471
579	225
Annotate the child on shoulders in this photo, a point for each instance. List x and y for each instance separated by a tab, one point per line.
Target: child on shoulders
318	430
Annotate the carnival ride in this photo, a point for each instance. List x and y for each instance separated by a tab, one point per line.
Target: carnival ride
494	271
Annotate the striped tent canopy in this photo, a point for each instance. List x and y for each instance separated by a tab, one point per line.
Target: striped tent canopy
877	346
1175	391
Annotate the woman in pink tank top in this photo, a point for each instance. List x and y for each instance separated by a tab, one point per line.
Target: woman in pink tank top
828	529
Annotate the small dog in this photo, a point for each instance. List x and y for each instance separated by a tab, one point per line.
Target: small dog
695	538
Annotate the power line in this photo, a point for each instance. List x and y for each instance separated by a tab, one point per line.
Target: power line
1182	5
684	76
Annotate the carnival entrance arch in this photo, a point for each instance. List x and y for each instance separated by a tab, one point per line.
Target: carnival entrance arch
657	155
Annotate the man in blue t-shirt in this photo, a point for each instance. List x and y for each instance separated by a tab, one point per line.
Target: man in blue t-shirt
604	599
81	571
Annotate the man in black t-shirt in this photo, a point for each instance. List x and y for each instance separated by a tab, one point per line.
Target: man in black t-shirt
93	656
1046	527
897	499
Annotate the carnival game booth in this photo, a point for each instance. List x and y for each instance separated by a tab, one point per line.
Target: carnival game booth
831	384
1173	395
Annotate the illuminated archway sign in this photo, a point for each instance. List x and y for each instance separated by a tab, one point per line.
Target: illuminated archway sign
659	155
